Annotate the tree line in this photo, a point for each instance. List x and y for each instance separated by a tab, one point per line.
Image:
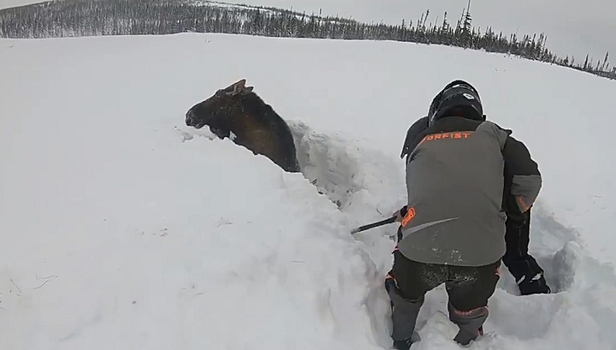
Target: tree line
70	18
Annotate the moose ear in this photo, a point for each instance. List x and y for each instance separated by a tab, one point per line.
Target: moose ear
239	86
247	90
236	88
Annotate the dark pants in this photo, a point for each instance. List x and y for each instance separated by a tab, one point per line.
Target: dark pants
468	288
524	268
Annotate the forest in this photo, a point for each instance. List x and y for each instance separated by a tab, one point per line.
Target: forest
71	18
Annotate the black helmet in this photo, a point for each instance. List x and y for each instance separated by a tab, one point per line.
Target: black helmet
457	98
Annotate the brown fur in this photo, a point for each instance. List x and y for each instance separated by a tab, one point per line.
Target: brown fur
238	110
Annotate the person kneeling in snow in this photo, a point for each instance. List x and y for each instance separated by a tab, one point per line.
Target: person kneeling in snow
453	227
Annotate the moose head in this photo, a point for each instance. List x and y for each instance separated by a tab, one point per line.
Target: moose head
220	110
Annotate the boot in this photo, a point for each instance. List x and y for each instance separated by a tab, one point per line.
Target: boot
469	322
533	285
404	315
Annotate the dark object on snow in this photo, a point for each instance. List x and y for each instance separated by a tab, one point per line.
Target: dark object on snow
236	112
374	224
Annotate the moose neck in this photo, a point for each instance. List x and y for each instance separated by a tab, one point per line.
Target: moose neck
255	107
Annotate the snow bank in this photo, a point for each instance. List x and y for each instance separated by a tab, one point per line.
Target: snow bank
127	233
125	229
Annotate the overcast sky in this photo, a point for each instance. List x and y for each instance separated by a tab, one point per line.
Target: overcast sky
573	27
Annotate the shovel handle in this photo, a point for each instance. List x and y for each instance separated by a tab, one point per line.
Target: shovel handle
374	224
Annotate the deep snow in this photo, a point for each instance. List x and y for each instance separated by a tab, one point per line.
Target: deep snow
122	228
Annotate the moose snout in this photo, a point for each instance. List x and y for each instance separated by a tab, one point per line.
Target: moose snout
190	118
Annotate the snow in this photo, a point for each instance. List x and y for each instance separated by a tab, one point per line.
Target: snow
15	3
223	4
123	228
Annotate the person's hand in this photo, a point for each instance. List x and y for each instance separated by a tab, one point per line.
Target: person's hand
399	214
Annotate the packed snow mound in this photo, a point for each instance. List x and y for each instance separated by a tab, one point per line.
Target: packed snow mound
127	229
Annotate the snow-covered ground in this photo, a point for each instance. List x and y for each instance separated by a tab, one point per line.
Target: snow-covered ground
124	229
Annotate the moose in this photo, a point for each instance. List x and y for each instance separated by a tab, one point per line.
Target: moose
238	113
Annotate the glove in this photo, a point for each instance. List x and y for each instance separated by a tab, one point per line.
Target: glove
513	211
400	214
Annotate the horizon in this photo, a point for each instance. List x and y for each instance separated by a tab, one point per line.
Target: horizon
569	33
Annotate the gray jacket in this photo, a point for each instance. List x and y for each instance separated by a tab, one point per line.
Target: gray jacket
456	174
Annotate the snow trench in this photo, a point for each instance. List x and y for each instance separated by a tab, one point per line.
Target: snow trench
358	180
367	185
